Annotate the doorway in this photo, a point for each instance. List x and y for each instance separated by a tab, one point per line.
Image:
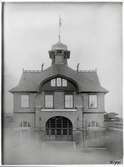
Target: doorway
59	128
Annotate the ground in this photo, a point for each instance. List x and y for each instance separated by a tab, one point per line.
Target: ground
27	147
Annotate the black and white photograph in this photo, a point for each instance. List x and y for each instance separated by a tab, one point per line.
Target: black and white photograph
62	83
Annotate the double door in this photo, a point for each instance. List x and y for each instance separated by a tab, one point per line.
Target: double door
59	128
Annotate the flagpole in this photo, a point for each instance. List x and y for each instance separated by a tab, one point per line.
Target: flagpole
60	29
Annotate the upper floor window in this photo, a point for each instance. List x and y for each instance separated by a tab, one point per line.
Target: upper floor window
58	82
64	82
24	101
92	101
49	101
68	101
53	82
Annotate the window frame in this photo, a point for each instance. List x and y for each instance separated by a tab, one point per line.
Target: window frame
27	106
61	82
52	94
72	100
57	79
89	101
54	82
64	80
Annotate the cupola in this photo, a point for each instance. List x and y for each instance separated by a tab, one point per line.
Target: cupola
59	52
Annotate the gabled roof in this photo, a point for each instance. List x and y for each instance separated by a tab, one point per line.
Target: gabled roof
86	81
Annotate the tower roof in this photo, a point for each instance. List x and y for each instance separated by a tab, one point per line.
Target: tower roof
59	46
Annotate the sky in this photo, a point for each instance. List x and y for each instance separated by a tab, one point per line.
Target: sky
92	32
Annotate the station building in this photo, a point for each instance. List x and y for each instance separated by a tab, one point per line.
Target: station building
59	100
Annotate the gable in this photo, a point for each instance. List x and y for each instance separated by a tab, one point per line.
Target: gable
46	85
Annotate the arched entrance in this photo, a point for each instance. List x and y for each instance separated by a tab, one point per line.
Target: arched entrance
59	128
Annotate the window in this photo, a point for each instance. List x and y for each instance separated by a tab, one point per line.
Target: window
25	124
53	82
93	124
64	82
48	101
92	101
24	101
58	82
68	101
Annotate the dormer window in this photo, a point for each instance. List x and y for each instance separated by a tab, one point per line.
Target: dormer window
58	82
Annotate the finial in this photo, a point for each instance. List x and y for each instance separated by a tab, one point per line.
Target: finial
60	24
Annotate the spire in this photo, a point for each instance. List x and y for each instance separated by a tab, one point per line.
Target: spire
60	24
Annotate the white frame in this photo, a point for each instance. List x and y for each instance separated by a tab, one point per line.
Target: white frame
53	82
64	82
69	103
24	101
49	101
92	99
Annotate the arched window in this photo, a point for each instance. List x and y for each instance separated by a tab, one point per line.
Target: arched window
59	82
64	82
53	82
59	126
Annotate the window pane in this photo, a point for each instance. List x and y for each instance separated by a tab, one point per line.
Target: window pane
58	81
64	82
92	101
68	101
24	101
49	101
53	82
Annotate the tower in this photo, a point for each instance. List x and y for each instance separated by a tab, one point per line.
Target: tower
59	52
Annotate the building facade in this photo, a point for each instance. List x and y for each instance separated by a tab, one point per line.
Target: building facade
59	100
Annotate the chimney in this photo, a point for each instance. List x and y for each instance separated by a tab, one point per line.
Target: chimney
78	67
42	66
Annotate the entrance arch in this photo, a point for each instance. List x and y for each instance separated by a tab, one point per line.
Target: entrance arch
59	128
